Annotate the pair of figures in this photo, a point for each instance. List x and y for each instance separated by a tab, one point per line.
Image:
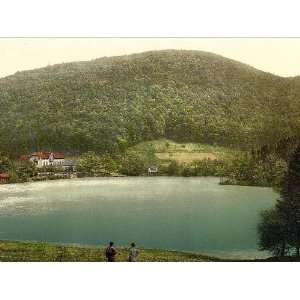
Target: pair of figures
111	252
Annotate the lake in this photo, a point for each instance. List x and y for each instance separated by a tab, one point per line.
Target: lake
192	214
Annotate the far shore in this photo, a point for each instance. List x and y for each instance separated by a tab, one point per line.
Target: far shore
139	176
221	182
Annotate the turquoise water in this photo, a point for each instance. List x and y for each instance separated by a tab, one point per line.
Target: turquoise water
192	214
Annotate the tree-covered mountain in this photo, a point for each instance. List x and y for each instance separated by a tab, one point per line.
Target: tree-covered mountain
107	104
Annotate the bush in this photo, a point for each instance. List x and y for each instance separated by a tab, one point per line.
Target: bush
173	169
133	164
90	164
206	167
5	163
23	172
187	171
245	169
271	234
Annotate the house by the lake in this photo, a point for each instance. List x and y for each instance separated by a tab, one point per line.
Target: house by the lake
44	159
153	170
4	177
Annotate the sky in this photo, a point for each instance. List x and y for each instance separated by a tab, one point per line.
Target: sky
280	56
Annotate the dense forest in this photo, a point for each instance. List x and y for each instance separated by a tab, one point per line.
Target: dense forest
108	104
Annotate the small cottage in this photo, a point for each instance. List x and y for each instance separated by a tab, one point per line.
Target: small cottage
44	159
152	170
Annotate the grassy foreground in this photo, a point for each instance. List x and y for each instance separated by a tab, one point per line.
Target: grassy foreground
14	251
42	252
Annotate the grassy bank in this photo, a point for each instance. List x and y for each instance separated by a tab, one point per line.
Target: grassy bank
15	251
45	252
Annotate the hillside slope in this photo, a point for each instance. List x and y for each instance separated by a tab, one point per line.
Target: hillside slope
111	103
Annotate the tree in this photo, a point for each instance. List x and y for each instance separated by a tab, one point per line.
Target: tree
280	227
24	171
134	164
5	163
271	232
289	206
94	165
173	168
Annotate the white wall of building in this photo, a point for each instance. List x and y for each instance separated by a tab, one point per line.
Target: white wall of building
46	162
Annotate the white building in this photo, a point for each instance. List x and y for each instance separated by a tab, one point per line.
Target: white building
44	159
152	170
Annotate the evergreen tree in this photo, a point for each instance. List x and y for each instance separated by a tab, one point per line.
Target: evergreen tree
289	205
272	233
280	227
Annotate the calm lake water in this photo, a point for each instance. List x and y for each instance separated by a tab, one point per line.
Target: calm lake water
193	214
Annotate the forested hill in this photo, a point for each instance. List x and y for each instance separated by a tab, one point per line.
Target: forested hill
110	103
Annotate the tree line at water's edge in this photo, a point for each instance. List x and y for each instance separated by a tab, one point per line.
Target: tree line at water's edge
242	169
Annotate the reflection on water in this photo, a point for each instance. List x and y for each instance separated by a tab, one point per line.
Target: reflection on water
192	214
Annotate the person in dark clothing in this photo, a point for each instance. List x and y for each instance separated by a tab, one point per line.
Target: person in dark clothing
110	252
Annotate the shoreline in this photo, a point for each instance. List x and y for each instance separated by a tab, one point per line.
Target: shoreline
34	251
114	176
127	176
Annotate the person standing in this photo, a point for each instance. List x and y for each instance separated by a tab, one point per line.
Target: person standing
133	252
110	252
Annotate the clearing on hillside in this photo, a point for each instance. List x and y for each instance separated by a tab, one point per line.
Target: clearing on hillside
185	157
167	150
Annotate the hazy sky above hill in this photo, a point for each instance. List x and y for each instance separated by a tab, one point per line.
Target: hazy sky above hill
278	56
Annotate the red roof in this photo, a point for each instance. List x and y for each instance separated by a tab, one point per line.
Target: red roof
41	155
46	155
58	155
4	175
